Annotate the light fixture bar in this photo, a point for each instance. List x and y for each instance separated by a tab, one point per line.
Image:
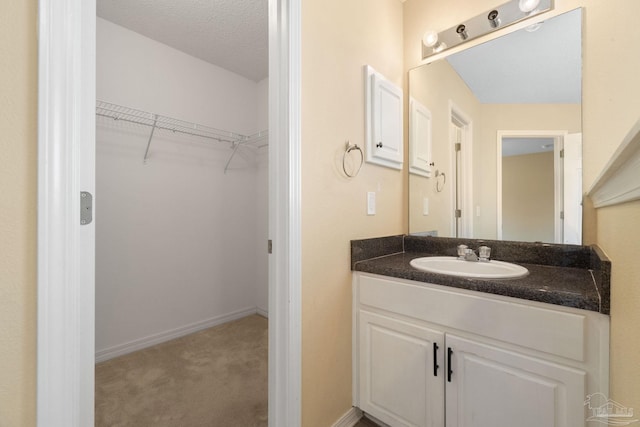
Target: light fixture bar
485	23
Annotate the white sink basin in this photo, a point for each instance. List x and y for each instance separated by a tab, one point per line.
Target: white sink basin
479	269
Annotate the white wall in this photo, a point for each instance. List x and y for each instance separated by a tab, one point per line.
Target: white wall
176	237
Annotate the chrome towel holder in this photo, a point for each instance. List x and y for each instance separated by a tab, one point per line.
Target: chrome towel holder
349	148
440	187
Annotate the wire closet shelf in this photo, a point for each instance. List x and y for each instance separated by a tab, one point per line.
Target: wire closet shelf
157	121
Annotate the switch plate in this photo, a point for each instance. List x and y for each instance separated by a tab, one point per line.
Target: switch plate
371	203
425	206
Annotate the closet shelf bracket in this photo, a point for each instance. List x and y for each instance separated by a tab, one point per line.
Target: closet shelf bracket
236	145
153	128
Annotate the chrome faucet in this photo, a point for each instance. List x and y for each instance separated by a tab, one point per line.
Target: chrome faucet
470	255
467	254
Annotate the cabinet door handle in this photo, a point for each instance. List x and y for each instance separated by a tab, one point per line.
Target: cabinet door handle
435	360
379	144
449	370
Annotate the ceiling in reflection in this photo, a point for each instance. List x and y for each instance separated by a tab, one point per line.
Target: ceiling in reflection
520	146
488	69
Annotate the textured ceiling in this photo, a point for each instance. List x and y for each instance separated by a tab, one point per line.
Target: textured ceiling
232	34
544	66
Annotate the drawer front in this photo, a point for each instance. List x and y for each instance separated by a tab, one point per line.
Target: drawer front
552	331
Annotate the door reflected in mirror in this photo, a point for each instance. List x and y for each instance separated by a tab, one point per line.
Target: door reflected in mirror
519	94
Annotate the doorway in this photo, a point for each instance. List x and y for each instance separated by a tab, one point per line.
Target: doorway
461	154
65	247
539	181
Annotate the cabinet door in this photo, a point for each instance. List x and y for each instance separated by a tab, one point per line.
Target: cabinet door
491	387
384	121
399	383
419	139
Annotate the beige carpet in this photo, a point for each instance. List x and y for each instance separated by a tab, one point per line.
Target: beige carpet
216	377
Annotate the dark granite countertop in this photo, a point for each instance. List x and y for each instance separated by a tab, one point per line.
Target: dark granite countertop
567	275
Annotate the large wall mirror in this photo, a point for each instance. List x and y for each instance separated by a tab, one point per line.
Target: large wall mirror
495	138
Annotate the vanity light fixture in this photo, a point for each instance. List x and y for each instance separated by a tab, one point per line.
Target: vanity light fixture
462	32
430	39
499	17
493	18
527	6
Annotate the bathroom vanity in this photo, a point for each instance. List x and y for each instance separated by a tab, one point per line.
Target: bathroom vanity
435	350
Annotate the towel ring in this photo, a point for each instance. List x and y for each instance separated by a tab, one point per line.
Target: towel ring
349	148
439	187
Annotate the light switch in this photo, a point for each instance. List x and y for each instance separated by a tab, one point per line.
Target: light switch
425	206
371	203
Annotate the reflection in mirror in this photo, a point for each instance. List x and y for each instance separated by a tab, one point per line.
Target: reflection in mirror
516	92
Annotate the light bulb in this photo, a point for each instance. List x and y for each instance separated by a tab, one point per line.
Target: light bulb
430	38
528	5
439	47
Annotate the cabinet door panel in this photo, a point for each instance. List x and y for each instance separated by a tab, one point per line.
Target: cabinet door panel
492	387
397	381
387	129
383	120
419	139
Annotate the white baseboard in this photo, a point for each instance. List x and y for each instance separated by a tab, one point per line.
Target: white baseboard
262	312
148	341
350	418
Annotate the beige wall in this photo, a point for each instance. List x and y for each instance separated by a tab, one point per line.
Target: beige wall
528	218
18	159
611	105
338	39
619	234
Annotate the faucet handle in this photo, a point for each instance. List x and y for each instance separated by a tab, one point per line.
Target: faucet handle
484	252
462	251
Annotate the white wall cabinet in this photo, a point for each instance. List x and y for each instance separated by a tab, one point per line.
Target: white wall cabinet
419	139
425	353
383	121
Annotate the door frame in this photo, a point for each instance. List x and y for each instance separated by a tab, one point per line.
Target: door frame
66	250
456	114
558	136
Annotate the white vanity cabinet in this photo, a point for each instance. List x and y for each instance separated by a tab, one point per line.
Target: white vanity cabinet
396	371
429	355
491	386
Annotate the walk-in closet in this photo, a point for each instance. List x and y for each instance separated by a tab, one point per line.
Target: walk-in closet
181	208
